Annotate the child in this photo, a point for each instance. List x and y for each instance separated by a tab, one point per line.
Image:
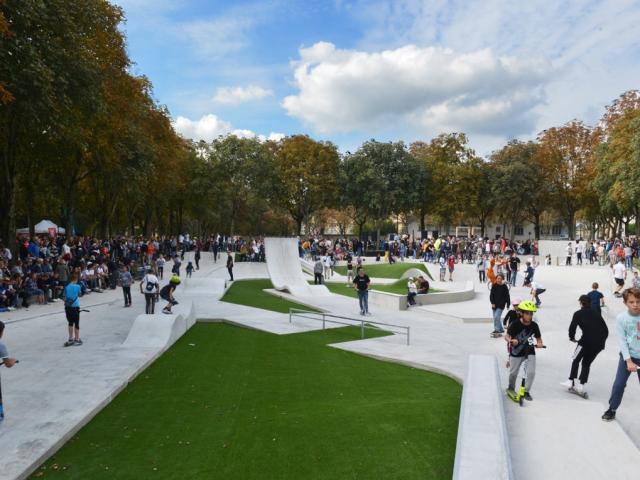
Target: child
592	341
481	266
628	333
126	280
513	314
167	294
349	271
451	264
189	269
72	294
520	337
596	298
160	266
8	362
636	279
536	290
412	292
443	268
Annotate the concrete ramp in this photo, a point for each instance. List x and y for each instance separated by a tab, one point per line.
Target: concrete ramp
285	270
159	331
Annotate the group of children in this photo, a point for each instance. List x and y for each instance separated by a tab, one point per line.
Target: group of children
524	336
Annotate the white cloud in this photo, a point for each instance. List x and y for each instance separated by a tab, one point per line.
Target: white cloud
237	95
210	127
346	90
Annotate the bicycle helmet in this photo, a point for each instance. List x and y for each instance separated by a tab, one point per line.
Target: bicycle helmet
527	306
175	280
515	302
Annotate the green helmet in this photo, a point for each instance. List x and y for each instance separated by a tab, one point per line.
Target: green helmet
527	306
175	280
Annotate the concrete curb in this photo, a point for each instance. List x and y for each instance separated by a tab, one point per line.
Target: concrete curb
482	448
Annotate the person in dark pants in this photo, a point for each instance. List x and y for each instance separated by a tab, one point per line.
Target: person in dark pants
500	299
72	310
196	257
628	333
214	249
591	343
362	282
126	280
230	265
150	286
317	272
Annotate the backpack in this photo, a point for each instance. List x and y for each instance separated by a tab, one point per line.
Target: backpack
150	287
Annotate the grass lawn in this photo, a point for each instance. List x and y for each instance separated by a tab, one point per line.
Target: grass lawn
399	287
251	294
232	403
384	270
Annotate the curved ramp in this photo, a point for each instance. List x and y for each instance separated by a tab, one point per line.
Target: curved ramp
159	331
285	271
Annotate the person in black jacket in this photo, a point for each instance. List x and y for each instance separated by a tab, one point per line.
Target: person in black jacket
500	299
591	343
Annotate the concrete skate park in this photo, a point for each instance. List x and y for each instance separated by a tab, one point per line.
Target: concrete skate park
555	436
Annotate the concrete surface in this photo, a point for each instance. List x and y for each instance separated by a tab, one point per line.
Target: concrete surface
557	436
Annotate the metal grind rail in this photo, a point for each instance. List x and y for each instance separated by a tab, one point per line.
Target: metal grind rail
329	317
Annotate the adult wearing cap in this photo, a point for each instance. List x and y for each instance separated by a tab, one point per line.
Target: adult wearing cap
592	341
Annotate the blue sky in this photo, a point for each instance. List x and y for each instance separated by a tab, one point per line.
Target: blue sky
351	70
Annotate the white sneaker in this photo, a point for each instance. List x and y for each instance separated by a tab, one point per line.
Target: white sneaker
567	383
579	388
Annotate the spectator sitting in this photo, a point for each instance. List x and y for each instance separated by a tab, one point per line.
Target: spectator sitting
423	285
412	292
32	290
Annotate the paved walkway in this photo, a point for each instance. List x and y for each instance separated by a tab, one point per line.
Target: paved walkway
53	389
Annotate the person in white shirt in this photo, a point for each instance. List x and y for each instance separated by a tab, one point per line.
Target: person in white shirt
412	291
326	261
619	275
150	286
537	289
569	254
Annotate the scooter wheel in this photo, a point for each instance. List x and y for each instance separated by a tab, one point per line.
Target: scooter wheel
521	401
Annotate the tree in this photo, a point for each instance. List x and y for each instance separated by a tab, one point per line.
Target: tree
520	183
567	155
617	175
443	157
245	168
307	171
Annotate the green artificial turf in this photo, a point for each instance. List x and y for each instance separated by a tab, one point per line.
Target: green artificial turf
385	270
231	403
251	293
399	287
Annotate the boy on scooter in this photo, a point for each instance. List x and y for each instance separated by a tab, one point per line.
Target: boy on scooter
520	335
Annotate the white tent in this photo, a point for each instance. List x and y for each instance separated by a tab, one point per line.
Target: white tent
42	228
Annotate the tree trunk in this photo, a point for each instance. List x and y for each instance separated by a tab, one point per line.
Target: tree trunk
423	214
536	226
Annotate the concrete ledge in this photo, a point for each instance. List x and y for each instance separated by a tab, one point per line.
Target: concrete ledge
482	449
394	301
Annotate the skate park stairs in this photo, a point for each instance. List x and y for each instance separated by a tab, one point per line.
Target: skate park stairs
482	449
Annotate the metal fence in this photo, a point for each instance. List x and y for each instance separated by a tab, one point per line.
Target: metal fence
349	321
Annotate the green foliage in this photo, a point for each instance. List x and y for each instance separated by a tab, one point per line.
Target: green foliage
233	403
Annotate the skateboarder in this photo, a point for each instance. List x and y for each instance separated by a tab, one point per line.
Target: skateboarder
230	265
591	343
628	333
167	294
8	362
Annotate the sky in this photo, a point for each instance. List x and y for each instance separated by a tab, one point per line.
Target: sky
348	71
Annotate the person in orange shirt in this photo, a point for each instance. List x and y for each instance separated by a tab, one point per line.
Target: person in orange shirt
491	273
150	251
